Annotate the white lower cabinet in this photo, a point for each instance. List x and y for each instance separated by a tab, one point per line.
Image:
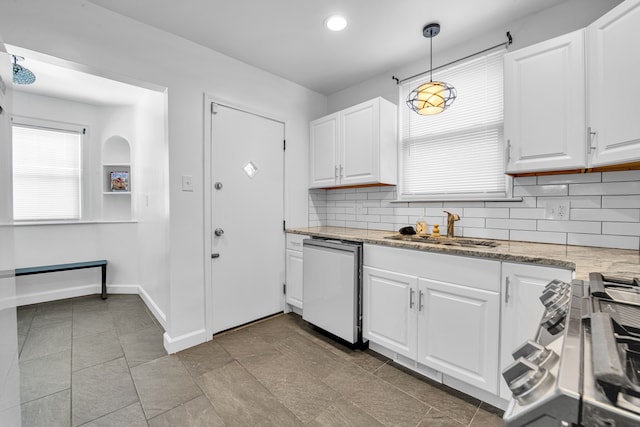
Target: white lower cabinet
457	328
522	310
293	269
440	311
389	310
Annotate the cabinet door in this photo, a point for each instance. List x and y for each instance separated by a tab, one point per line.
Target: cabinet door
614	86
360	151
458	332
389	310
544	105
323	151
293	267
522	310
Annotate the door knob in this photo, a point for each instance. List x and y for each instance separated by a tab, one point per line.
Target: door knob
218	232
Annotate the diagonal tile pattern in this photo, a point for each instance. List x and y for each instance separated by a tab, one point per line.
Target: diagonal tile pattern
89	362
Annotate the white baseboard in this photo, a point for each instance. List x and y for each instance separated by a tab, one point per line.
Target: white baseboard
174	345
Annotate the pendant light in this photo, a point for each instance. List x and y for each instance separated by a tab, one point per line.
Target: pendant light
22	75
432	97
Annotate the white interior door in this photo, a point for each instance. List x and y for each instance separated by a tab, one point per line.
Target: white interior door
247	212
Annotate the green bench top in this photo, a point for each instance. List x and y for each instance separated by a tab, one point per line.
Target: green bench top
60	267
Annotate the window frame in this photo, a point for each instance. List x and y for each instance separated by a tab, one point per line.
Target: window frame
53	125
404	113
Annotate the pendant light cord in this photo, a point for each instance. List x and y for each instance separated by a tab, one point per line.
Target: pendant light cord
431	58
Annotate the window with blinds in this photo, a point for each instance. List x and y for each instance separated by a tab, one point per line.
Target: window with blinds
458	153
46	173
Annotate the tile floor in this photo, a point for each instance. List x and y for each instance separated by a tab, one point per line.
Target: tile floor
90	362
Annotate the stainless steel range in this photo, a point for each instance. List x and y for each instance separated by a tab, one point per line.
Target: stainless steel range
583	366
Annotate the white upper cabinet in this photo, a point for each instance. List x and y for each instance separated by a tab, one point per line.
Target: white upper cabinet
571	104
355	146
544	105
323	151
614	86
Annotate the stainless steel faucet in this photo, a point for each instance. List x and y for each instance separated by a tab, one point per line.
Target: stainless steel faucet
451	218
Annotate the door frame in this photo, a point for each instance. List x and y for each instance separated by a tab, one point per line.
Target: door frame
206	190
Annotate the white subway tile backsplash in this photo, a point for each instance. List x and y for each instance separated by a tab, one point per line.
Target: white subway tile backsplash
409	211
511	224
380	211
620	202
392	219
604	210
542	190
486	212
590	202
625	215
604	241
605	188
621	176
570	178
467	222
345	217
527	213
525	180
589	227
538	236
336	195
621	228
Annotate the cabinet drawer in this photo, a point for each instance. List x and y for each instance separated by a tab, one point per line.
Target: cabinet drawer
294	241
473	272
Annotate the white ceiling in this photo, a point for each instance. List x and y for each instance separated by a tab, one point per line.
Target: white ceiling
61	79
287	37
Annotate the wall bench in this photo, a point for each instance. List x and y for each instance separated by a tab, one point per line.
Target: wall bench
72	266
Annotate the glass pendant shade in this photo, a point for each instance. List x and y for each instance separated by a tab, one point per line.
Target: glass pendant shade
22	75
431	98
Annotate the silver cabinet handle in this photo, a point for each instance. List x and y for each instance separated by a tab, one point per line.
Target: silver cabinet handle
341	173
336	171
411	292
507	152
420	306
506	289
590	135
218	232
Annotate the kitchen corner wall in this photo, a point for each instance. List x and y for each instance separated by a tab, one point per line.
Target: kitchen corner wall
604	211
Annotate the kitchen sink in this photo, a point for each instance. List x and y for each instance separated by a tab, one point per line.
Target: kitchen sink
445	241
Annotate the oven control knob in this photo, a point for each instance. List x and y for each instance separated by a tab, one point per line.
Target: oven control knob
553	321
552	296
535	353
526	380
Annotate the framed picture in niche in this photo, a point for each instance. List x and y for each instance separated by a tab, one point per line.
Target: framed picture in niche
119	181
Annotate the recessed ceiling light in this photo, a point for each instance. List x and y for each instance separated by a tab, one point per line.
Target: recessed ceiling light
336	23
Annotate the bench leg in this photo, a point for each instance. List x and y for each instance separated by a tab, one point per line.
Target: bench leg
104	282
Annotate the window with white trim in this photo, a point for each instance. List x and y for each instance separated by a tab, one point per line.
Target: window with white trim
459	153
47	171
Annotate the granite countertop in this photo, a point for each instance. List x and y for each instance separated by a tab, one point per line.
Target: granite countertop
610	262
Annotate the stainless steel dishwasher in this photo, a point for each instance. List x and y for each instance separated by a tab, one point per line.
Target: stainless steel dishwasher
332	287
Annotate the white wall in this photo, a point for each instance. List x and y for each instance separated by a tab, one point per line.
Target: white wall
561	19
68	29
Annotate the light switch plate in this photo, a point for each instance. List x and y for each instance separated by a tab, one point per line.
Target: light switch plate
187	182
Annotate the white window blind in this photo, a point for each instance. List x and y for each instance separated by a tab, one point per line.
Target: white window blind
458	153
46	173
